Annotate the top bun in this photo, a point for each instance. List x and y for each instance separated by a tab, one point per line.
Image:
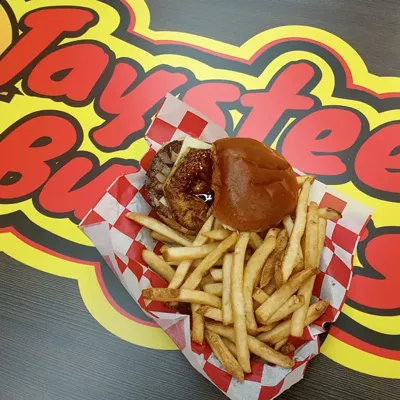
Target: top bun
254	185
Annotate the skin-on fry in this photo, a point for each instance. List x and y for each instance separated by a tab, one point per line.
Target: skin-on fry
230	345
217	234
195	277
301	179
283	329
183	295
210	312
226	289
311	262
259	296
289	307
239	318
251	272
279	297
162	238
255	346
289	259
269	266
281	343
184	266
158	265
329	213
188	253
213	288
217	274
197	325
158	227
223	354
267	328
255	240
287	348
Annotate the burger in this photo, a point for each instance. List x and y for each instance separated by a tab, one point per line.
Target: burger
246	185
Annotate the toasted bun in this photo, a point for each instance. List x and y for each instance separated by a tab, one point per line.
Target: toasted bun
254	185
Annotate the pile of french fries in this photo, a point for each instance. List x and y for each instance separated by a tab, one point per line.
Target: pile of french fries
248	294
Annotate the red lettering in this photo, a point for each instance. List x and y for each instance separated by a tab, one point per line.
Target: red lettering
70	71
380	292
207	96
25	150
311	143
128	105
59	194
45	26
267	107
377	163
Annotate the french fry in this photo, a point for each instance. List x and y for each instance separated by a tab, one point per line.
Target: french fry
283	329
289	307
230	345
253	268
329	213
299	262
217	234
255	346
288	224
301	179
267	328
226	292
188	253
217	224
208	262
158	265
162	238
270	288
210	312
163	249
213	288
287	348
197	324
158	227
278	274
217	274
289	259
183	295
197	262
218	263
184	266
223	354
279	297
281	343
269	266
239	318
311	262
321	237
206	280
255	240
259	295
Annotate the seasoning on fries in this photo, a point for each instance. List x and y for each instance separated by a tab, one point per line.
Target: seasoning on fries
223	354
238	308
263	281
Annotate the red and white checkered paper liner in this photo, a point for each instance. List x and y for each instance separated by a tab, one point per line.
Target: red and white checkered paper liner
121	241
